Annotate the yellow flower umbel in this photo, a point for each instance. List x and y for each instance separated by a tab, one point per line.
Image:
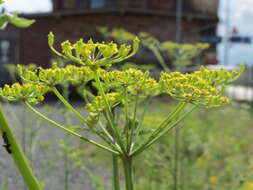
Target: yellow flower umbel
247	186
212	179
181	55
203	87
32	93
94	54
54	76
99	105
133	81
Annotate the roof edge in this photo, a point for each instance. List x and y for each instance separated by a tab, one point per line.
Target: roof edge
198	16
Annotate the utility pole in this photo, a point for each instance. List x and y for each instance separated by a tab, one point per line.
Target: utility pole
179	14
227	33
176	176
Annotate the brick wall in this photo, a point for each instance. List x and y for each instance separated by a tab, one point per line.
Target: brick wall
162	4
33	41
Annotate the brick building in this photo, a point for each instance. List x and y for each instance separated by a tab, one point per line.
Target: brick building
72	19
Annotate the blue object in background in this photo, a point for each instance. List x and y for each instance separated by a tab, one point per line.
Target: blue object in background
97	3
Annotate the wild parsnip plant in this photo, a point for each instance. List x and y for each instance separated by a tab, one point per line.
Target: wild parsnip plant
179	55
113	114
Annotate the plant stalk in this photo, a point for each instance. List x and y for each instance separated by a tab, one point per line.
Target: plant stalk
70	107
17	154
116	183
128	170
160	60
68	130
109	114
176	158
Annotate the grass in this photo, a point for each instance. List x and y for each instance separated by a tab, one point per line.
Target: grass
215	152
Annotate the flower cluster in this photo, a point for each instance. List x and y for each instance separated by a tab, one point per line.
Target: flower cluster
118	34
32	93
182	54
132	81
54	76
38	81
219	77
203	87
94	54
99	105
187	51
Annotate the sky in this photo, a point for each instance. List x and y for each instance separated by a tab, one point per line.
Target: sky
28	6
241	17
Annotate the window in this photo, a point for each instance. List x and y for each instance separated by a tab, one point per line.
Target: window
7	51
97	3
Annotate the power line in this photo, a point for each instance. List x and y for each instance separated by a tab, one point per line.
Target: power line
179	14
227	33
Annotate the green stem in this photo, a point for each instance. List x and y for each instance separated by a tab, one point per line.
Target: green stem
66	171
109	115
163	125
111	140
138	128
179	108
116	183
128	124
176	158
18	155
160	60
133	126
67	104
128	170
167	128
75	112
68	130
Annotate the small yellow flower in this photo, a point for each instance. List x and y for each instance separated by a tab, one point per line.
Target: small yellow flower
200	159
248	186
212	179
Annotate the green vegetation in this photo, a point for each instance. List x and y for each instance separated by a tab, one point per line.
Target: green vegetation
114	113
214	150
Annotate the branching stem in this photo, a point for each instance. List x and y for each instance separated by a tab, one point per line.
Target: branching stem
68	130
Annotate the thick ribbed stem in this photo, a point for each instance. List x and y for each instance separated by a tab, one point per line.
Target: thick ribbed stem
116	183
128	170
14	149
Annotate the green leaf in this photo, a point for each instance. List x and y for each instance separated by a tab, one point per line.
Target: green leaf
20	22
3	20
15	20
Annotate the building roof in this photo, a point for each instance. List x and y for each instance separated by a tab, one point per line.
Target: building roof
149	12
